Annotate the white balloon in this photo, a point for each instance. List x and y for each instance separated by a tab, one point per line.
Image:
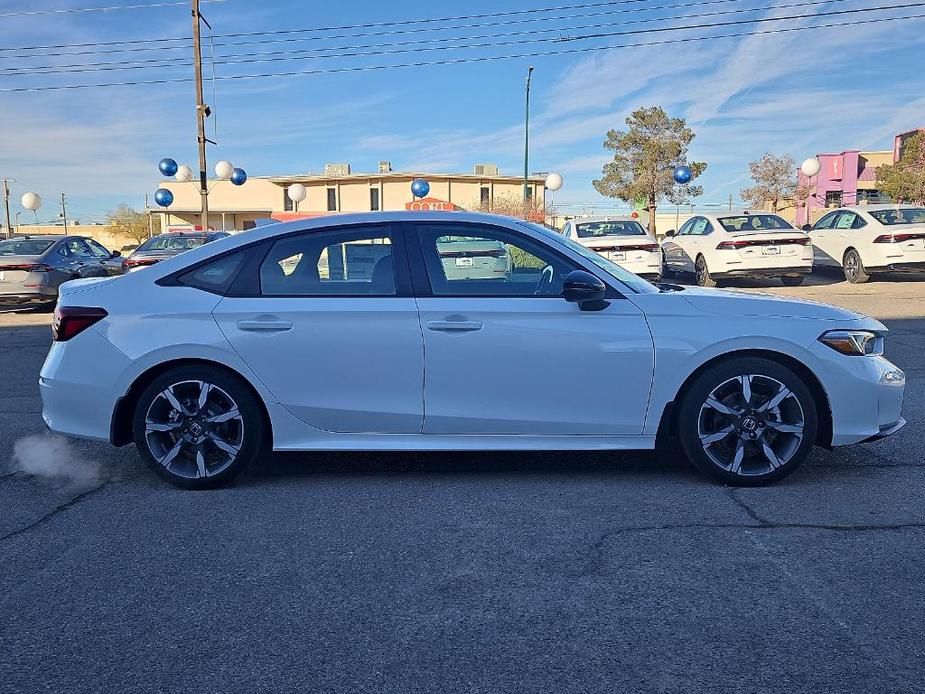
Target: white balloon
810	167
184	174
296	192
553	182
31	201
224	169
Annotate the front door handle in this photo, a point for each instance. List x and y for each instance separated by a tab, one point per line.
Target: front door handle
264	326
452	326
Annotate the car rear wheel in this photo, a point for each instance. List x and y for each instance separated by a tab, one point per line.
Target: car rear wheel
854	267
791	281
702	272
748	421
198	427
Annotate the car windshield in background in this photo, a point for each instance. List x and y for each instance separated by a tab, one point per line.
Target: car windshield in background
24	246
754	222
590	230
901	215
172	243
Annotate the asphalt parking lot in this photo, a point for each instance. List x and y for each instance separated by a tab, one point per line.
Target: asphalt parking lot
558	572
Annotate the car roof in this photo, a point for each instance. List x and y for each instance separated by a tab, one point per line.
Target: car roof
48	237
876	208
604	218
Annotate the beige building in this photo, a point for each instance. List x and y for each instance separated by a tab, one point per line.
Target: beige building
111	239
339	190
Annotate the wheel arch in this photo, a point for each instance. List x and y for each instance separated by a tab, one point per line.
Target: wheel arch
120	432
668	424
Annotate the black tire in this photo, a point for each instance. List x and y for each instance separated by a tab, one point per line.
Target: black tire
753	467
853	267
792	281
202	459
702	273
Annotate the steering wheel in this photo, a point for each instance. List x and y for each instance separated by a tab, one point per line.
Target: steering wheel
546	278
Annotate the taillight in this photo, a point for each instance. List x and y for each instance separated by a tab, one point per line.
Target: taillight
28	267
735	245
898	238
73	320
136	262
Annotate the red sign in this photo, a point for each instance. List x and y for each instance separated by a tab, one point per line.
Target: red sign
430	204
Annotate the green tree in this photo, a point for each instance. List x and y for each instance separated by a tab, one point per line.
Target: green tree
126	221
775	180
904	181
645	156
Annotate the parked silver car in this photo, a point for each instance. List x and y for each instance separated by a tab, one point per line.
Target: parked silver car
33	267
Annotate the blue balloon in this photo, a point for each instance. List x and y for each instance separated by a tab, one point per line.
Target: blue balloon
163	197
167	166
420	188
683	174
238	176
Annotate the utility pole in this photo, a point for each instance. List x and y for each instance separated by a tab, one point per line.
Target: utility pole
527	139
6	203
148	215
64	212
202	111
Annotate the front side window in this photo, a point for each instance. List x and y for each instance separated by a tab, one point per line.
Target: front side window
475	260
168	242
354	262
97	250
592	230
901	215
826	222
685	229
754	222
77	249
699	227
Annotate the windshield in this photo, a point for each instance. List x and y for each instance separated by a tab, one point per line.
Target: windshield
637	284
172	243
590	230
754	222
901	215
24	246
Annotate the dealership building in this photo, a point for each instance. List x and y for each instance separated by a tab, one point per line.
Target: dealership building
847	178
339	190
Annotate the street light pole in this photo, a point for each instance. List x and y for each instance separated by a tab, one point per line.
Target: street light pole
201	113
64	212
527	137
6	202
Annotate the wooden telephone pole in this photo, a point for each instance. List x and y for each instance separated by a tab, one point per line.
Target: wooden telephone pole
202	112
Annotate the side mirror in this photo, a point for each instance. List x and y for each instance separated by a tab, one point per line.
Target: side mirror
670	233
584	289
807	227
116	254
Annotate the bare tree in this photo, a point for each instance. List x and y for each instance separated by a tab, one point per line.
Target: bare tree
775	180
127	222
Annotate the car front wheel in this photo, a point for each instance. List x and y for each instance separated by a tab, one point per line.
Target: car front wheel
198	427
748	421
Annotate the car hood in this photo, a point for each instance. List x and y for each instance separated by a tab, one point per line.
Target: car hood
728	303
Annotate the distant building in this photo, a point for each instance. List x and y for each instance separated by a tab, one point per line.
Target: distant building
339	190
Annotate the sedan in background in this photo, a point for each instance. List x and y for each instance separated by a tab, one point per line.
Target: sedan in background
388	347
622	240
168	245
33	267
744	244
867	239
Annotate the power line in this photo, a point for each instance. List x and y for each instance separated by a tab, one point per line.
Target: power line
289	56
459	61
163	62
110	8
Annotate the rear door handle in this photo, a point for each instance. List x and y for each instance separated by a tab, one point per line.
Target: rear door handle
451	326
264	326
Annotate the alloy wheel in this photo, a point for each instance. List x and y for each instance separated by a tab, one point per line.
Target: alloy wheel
194	429
751	425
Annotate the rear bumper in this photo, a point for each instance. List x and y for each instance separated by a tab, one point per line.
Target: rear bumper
799	270
899	267
39	295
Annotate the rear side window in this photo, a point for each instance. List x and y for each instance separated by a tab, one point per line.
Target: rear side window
215	276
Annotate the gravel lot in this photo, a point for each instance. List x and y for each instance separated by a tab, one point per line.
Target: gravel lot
559	572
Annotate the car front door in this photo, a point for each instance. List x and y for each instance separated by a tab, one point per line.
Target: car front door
675	249
333	330
506	354
77	259
828	245
108	263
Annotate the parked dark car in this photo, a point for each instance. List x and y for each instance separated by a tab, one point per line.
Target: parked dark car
168	245
33	267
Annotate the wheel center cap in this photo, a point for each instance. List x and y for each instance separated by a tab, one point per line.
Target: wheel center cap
195	429
750	424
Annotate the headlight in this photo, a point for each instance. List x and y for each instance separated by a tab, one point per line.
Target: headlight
855	343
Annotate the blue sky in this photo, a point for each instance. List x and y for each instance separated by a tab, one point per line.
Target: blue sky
798	93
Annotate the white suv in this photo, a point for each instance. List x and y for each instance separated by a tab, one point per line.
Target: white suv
871	238
622	240
739	244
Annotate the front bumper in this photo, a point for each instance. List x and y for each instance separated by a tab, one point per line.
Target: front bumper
886	430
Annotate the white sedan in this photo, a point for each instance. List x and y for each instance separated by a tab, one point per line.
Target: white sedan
620	239
866	239
349	333
715	247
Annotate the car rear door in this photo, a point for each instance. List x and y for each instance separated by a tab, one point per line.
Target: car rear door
508	355
332	330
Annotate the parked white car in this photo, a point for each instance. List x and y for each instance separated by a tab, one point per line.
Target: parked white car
352	333
715	247
867	239
622	240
